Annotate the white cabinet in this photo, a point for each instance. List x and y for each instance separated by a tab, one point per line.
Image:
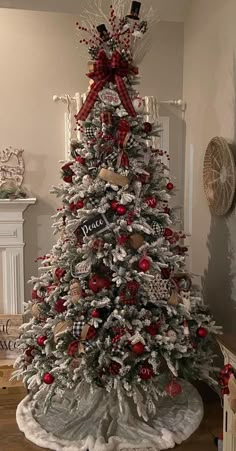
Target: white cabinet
228	348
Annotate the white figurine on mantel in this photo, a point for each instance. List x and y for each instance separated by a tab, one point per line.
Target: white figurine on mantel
12	174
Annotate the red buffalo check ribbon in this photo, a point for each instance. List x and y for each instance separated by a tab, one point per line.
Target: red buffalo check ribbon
114	70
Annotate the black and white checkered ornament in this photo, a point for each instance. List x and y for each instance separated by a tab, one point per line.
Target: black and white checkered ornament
77	328
158	228
131	142
90	131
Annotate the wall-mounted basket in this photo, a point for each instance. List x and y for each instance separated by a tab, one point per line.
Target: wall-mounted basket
219	178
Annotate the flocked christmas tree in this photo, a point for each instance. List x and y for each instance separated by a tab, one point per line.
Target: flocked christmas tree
114	306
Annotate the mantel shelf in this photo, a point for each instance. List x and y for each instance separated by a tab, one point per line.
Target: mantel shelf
15	205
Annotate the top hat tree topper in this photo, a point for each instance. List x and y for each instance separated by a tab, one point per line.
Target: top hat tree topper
135	8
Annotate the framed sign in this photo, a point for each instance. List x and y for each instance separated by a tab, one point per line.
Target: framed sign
95	224
9	333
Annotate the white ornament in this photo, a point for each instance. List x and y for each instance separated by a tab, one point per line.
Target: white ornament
109	97
138	104
172	335
87	180
158	288
185	298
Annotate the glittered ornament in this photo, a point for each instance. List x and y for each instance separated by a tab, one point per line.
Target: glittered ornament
114	368
202	332
138	348
114	205
151	201
152	329
147	127
79	204
133	286
121	210
168	232
67	172
59	306
41	340
173	388
146	372
144	264
87	180
169	186
81	160
48	378
158	228
122	239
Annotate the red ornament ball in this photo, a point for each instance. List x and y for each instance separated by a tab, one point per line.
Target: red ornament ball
80	204
114	205
173	388
41	340
144	264
138	348
202	332
168	232
97	283
151	201
146	372
169	186
80	159
147	127
48	378
95	313
121	210
59	306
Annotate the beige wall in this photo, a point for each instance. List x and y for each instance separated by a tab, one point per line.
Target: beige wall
39	58
209	89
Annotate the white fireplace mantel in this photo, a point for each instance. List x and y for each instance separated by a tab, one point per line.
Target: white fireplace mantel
12	252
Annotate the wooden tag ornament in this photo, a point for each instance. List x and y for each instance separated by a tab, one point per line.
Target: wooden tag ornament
113	178
75	291
136	240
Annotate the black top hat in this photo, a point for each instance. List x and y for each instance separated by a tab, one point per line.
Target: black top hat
135	8
103	32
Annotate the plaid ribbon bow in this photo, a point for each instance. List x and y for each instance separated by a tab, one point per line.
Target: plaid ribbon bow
112	70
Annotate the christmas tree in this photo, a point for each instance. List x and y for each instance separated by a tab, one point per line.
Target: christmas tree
114	307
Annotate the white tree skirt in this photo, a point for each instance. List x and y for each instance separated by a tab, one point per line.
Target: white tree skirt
98	424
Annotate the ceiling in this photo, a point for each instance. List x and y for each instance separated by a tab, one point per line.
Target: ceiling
168	10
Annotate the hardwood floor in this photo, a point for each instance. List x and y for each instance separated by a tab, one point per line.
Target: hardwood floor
11	439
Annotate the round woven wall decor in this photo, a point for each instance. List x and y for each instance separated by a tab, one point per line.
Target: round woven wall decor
219	176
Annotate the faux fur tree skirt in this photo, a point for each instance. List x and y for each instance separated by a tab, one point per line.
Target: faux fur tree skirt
98	424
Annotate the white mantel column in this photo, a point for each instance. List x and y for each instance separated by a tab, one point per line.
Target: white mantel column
12	252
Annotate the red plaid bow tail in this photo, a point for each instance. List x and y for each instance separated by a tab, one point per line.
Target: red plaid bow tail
113	69
122	160
123	133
